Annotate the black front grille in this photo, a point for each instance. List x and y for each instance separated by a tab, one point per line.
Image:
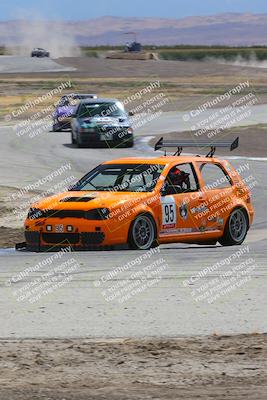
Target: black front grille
87	238
90	238
112	129
32	237
58	238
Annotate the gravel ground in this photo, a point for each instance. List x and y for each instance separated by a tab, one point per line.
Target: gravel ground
218	367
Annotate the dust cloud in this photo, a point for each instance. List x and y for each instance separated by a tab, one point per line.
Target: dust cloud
252	61
50	35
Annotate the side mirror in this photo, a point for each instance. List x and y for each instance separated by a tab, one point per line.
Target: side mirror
131	113
71	188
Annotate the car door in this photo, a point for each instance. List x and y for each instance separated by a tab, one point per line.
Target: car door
181	206
219	189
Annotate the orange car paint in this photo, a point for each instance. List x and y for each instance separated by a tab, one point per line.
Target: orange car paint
204	221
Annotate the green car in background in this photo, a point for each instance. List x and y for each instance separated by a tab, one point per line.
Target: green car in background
101	123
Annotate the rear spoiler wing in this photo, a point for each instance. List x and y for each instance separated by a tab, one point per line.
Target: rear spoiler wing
181	144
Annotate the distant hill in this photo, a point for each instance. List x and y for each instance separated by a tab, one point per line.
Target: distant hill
225	29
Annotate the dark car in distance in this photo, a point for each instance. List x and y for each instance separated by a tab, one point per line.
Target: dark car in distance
38	52
101	123
65	108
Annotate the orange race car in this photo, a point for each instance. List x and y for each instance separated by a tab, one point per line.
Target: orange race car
146	202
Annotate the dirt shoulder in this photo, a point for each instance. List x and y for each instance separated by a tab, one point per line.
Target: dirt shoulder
13	211
252	141
227	367
10	236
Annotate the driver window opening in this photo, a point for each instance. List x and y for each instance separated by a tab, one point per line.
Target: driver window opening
181	179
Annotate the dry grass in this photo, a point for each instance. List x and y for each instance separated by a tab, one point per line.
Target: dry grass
184	83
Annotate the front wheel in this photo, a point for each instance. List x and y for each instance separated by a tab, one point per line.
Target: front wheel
128	143
56	127
79	142
142	233
73	141
236	228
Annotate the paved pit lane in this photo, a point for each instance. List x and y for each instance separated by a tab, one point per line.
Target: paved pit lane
16	64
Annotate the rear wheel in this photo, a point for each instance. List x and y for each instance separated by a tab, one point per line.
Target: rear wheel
142	233
236	228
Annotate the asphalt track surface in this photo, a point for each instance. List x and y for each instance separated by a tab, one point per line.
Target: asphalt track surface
82	307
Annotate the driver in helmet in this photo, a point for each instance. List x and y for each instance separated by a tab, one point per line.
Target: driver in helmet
179	179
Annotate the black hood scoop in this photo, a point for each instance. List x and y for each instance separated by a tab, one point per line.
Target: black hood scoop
83	199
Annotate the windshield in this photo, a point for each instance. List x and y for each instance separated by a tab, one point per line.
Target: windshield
72	100
121	178
87	110
68	101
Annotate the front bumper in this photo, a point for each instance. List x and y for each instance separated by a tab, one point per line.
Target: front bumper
98	136
44	241
60	231
63	123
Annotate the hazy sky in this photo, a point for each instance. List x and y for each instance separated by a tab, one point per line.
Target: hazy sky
86	9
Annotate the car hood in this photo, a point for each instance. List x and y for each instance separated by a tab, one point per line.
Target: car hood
85	200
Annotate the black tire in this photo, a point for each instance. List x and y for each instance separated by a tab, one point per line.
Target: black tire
236	228
143	233
127	143
56	128
78	142
73	141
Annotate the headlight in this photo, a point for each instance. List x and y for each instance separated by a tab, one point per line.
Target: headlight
35	213
97	214
130	131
